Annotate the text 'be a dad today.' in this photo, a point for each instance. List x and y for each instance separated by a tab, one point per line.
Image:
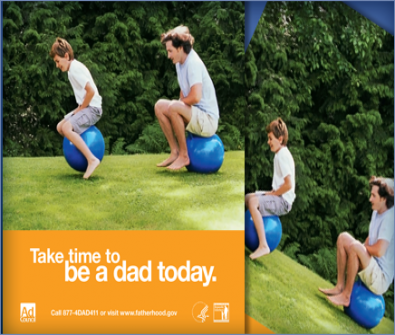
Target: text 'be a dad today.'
121	273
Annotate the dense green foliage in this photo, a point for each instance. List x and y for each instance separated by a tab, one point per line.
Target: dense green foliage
329	73
120	44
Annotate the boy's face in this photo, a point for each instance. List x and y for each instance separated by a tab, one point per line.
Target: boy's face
62	63
175	54
378	203
275	143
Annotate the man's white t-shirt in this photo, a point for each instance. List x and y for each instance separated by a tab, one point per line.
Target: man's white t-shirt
193	72
79	76
382	228
284	165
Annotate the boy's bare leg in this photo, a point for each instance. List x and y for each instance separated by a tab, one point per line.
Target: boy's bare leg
343	243
180	113
248	197
163	115
357	257
61	123
263	248
59	127
76	139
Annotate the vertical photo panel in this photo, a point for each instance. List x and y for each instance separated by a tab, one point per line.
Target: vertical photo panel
319	221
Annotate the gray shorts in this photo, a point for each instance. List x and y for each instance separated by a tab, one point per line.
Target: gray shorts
273	205
84	119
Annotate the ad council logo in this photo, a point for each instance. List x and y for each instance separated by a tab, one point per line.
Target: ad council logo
221	312
199	312
28	312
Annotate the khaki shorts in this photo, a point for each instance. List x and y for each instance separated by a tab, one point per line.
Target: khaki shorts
373	277
201	123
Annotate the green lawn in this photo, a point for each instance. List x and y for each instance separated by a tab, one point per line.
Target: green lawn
126	192
283	296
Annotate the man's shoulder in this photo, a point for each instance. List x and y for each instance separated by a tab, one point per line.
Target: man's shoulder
194	58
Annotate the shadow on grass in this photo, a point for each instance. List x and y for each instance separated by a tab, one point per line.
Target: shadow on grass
76	176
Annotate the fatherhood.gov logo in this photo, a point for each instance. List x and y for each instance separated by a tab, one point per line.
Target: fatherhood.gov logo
28	312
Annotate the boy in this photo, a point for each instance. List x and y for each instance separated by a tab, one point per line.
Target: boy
197	109
89	109
279	200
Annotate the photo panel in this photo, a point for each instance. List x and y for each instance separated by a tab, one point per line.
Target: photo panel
320	90
123	167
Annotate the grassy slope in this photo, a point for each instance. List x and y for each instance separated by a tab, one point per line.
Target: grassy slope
283	296
126	192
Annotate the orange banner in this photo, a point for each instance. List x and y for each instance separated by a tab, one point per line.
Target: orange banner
254	327
123	282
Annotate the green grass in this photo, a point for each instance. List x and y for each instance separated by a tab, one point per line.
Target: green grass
126	192
283	296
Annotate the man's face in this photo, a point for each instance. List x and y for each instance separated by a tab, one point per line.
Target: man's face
275	144
378	203
62	63
175	54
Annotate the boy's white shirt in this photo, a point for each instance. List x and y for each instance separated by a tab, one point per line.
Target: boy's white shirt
79	76
287	168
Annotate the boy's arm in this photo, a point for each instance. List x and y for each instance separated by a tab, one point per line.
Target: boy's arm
284	188
90	92
378	249
194	95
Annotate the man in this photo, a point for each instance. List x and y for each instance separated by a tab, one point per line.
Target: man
375	258
197	109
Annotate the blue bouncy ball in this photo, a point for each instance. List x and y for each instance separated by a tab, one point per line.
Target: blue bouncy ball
366	308
206	154
273	231
95	142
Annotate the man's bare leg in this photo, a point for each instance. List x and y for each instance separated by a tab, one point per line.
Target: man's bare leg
180	114
163	116
263	248
76	139
343	242
357	257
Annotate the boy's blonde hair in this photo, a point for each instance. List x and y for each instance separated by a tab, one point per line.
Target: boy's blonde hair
60	48
278	128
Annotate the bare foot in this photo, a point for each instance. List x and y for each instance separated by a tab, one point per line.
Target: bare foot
340	300
331	291
260	252
179	163
168	161
92	165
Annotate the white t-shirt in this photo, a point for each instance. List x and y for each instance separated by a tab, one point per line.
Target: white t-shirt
382	228
284	165
192	72
79	76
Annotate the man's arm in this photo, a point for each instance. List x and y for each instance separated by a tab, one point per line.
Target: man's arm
194	95
378	249
90	92
284	188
